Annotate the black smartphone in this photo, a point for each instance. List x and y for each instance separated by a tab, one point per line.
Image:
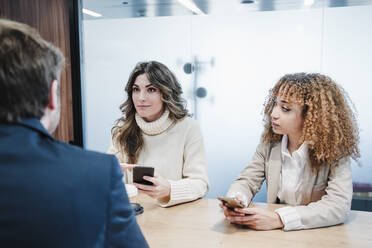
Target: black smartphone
140	171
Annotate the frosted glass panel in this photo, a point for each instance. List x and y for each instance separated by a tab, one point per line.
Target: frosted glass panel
112	48
347	58
250	52
238	58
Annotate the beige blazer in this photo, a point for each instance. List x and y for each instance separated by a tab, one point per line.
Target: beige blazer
325	198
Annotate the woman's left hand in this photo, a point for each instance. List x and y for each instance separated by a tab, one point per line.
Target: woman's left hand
256	218
160	190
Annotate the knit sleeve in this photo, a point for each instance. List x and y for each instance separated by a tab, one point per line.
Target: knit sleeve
114	151
121	158
194	183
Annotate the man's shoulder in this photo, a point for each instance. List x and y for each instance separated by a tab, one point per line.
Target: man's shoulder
82	156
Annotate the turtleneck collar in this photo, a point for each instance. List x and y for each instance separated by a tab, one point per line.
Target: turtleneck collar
155	127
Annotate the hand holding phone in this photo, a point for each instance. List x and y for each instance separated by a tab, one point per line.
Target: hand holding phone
140	171
231	202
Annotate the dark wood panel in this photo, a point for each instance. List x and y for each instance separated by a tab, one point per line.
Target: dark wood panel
51	19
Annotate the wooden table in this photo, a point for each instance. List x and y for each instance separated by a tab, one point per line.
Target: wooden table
202	224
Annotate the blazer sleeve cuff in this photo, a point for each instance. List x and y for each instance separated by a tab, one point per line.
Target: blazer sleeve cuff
290	218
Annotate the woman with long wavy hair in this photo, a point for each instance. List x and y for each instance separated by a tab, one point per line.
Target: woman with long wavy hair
309	137
156	130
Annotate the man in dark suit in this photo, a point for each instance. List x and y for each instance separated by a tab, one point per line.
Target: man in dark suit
51	194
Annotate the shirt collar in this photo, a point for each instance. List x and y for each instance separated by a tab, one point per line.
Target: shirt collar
34	124
302	151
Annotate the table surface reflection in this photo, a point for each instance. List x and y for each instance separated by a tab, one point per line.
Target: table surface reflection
202	224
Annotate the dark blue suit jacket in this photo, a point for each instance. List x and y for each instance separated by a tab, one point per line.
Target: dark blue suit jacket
57	195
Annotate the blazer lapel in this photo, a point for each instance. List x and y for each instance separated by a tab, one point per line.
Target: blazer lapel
309	179
273	175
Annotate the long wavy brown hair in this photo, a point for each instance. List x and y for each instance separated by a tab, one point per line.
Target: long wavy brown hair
330	128
126	134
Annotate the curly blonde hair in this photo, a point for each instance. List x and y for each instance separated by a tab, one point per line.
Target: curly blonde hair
330	128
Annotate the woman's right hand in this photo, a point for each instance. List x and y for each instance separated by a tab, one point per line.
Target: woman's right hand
239	196
229	212
125	166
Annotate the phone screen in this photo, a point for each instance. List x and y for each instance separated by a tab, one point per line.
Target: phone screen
140	171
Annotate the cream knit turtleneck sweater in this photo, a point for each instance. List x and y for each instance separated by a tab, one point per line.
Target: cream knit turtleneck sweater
175	149
155	127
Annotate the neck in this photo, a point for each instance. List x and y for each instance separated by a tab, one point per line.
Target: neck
50	120
293	143
154	118
45	122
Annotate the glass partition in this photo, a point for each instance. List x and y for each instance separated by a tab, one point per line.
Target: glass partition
226	61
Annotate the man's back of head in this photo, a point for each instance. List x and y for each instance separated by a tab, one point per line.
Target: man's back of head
52	194
28	66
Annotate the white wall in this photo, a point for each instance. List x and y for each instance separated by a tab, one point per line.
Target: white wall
251	51
347	58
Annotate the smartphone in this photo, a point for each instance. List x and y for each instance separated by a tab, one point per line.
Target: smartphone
231	202
140	171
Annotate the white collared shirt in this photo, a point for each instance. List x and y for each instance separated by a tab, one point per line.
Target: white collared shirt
292	173
291	182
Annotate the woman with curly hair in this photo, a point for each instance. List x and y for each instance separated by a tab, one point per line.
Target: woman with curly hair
156	131
309	137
